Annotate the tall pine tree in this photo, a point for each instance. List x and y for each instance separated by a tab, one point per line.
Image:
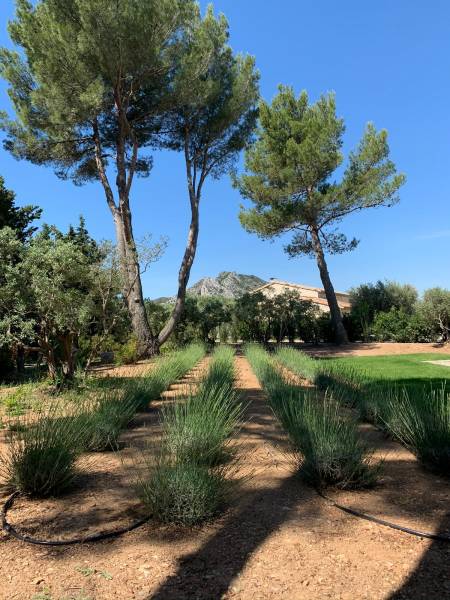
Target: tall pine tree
290	179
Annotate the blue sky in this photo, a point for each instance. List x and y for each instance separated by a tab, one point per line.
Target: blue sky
388	62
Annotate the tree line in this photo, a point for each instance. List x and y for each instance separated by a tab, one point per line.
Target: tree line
383	311
61	300
97	86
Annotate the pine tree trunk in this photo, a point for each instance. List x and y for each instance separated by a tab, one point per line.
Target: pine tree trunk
147	343
183	275
190	250
335	311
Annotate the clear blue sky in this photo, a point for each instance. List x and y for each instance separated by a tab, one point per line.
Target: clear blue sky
388	62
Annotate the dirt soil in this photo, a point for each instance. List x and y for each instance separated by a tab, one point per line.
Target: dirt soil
376	349
278	539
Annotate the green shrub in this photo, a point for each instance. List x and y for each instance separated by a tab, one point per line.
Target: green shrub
221	370
166	370
187	486
298	362
198	429
345	382
329	450
421	421
183	493
127	353
111	413
41	455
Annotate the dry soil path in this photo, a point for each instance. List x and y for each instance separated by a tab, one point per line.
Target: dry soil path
279	539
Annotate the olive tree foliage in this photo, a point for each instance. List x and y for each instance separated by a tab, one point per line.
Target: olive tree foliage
91	89
16	322
60	291
45	296
369	299
259	318
290	179
213	122
435	309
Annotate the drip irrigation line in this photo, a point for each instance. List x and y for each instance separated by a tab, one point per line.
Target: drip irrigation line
97	537
440	537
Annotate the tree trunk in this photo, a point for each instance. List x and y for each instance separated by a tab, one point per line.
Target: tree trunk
49	353
335	311
147	344
68	362
191	245
20	358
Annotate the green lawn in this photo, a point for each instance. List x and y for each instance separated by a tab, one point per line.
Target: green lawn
405	369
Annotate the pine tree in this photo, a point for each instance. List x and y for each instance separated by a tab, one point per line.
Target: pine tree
18	219
91	93
290	180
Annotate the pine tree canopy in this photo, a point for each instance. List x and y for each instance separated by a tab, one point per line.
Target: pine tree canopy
84	62
17	218
217	112
290	173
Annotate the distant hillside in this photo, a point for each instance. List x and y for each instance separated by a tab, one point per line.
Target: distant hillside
228	284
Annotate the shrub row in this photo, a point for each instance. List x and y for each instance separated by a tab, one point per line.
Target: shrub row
43	448
188	484
327	445
416	415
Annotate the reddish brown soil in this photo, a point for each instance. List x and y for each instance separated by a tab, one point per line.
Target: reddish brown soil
376	349
278	540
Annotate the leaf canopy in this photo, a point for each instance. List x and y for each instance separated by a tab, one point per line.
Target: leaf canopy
82	61
290	173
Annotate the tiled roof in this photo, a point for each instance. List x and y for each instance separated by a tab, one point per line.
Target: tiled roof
295	285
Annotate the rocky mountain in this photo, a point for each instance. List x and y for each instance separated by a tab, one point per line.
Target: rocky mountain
228	284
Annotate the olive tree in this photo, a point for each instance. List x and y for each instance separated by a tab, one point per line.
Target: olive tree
435	308
45	295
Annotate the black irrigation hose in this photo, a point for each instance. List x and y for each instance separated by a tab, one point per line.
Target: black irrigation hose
440	537
117	532
97	537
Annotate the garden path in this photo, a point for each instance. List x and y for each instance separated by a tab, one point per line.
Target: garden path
278	540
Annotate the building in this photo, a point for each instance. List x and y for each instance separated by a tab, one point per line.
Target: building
275	287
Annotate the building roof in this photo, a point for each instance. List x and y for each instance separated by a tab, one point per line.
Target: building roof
295	285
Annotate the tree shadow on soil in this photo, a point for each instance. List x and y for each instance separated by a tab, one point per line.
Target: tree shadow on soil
431	578
208	573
